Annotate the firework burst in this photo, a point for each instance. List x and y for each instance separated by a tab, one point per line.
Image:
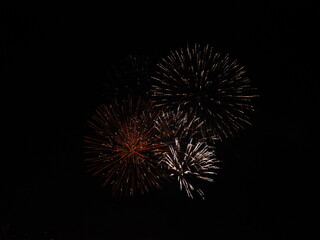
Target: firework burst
190	162
205	83
129	76
125	146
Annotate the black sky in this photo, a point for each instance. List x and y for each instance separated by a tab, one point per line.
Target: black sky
54	59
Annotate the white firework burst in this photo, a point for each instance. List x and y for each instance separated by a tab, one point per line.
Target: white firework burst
191	162
206	83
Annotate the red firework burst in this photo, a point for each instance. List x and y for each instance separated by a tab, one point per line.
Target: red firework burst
125	145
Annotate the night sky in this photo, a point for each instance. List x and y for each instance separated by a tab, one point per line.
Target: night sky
54	61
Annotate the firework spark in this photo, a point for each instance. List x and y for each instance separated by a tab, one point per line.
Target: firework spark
125	146
205	83
190	162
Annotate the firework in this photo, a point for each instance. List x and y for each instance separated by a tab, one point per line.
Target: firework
207	84
190	162
125	146
129	76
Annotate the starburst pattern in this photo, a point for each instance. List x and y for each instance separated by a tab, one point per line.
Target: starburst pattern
125	146
190	162
207	84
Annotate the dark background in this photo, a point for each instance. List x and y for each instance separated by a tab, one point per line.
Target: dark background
54	58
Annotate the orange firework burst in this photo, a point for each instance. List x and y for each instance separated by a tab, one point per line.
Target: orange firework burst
125	146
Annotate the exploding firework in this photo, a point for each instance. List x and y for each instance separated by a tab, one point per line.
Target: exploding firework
125	146
129	76
190	162
208	84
